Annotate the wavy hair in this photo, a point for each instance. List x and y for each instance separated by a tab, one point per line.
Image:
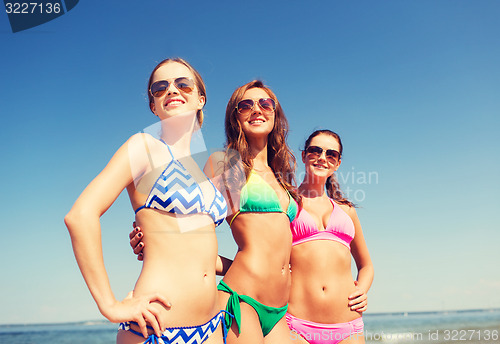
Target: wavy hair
332	185
279	155
197	80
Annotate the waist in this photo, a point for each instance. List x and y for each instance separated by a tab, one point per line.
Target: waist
192	295
266	281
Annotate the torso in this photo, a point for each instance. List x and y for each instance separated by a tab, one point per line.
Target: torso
180	243
261	267
321	264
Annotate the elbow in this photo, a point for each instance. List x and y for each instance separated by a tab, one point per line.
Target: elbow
74	218
71	219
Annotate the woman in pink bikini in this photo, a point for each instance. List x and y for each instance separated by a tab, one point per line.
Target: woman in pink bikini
325	303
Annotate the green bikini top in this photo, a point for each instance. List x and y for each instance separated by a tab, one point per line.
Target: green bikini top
257	196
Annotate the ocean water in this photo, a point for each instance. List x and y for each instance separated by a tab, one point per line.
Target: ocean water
471	327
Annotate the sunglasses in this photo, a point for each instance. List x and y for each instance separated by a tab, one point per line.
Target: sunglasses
246	105
330	153
159	88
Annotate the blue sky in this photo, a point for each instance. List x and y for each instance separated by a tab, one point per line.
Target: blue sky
411	86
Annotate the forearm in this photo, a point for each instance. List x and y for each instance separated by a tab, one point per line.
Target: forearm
365	277
85	235
222	265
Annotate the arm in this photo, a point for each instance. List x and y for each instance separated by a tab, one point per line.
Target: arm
359	251
85	231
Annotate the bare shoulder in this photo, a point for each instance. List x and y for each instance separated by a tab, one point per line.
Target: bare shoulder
350	210
215	164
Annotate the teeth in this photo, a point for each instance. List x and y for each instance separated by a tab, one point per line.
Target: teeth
256	121
175	102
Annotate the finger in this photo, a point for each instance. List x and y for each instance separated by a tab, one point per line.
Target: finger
134	224
151	319
142	326
358	300
362	309
162	299
140	257
157	313
138	248
129	295
134	232
135	240
356	294
358	305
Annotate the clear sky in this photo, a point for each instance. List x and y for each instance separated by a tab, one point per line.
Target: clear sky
413	88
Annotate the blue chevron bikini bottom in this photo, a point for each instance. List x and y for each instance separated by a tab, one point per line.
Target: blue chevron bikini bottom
182	335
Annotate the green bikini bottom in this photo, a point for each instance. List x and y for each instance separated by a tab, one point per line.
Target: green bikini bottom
268	316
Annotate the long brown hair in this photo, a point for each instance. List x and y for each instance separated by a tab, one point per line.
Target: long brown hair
197	80
332	185
279	155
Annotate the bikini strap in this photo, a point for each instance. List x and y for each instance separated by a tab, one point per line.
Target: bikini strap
232	306
169	150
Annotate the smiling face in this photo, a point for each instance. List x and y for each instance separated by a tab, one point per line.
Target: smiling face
319	165
175	101
256	122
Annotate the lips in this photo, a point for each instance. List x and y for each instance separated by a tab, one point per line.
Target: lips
257	121
323	167
174	102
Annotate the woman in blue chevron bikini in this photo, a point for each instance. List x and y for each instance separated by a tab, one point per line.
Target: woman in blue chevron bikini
258	168
175	298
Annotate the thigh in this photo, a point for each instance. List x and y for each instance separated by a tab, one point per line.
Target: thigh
217	337
127	337
281	334
251	332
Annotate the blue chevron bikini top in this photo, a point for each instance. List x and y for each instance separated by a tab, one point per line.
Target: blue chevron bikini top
176	191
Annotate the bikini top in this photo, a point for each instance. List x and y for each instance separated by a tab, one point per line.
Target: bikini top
257	196
339	228
176	191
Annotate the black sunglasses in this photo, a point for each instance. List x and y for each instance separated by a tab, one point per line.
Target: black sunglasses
247	105
330	153
183	84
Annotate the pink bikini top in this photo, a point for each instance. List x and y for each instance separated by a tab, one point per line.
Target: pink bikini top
339	228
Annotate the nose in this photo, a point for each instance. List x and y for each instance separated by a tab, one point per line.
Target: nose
256	107
172	89
322	156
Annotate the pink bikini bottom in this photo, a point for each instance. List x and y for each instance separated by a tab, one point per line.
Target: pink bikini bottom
316	333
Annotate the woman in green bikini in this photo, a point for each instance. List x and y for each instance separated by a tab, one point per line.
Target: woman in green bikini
258	184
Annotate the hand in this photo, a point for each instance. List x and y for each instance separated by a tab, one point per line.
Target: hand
140	310
135	241
358	301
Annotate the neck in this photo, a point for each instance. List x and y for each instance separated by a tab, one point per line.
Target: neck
177	132
258	151
312	187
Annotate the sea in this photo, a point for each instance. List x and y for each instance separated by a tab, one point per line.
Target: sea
467	326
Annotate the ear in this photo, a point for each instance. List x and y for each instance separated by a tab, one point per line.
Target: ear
152	107
201	102
303	157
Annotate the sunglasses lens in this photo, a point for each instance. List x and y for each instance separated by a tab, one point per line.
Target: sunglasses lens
158	88
314	150
332	154
267	104
245	106
185	85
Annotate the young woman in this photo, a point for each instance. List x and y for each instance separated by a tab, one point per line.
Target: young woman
325	303
262	202
177	208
